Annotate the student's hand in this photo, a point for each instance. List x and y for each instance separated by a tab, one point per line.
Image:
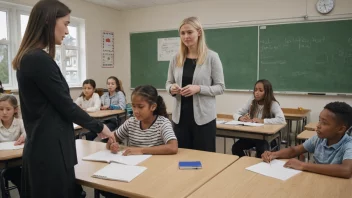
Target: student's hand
257	120
20	140
106	133
114	147
133	151
295	164
268	156
175	89
104	108
190	90
245	118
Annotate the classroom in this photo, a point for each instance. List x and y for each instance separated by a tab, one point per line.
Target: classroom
130	24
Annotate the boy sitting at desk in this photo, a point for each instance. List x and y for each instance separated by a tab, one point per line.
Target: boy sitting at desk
332	147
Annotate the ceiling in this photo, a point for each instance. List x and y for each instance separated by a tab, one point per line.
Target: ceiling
134	4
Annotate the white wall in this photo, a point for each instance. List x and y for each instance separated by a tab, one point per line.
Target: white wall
222	11
97	18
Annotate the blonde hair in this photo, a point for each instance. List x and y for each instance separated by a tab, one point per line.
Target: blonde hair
202	48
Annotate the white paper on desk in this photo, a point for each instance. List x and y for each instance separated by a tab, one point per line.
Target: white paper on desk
10	146
275	169
220	121
119	172
107	156
235	122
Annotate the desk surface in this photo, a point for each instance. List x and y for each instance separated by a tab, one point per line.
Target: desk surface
162	177
306	135
10	154
235	181
291	113
266	129
311	126
105	113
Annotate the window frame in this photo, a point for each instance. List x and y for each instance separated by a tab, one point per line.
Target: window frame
14	37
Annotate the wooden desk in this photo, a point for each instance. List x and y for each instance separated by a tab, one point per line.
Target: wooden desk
106	114
235	181
292	114
305	135
266	132
311	126
9	158
162	177
101	116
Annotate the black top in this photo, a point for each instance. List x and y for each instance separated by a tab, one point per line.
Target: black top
48	112
187	79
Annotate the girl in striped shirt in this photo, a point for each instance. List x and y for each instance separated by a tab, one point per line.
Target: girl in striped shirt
149	131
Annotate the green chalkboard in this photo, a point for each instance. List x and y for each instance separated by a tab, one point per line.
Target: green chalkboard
307	57
145	67
238	51
237	48
299	57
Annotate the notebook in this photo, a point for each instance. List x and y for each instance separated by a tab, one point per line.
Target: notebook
189	165
119	172
107	156
275	169
10	146
235	122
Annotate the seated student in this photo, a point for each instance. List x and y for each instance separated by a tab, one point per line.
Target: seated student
149	131
332	147
113	99
264	108
88	100
11	129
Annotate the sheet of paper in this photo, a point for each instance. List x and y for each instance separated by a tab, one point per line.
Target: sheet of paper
10	146
119	172
220	121
235	122
107	156
275	169
167	48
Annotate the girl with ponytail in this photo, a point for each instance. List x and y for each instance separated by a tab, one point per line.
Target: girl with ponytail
149	131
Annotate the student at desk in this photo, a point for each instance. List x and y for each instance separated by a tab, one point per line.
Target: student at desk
332	147
88	100
11	129
264	108
149	131
115	98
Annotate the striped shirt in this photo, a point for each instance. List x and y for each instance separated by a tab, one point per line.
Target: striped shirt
159	133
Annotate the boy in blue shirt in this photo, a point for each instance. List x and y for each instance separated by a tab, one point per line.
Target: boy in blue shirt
332	147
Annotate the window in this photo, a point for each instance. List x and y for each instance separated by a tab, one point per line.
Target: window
69	56
4	49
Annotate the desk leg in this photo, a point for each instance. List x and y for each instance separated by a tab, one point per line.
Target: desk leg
224	145
288	138
279	141
2	183
96	193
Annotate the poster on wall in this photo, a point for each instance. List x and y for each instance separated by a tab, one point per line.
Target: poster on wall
107	49
167	48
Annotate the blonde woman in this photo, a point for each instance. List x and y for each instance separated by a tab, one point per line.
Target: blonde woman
195	77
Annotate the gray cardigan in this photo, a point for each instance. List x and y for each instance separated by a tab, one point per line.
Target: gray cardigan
210	77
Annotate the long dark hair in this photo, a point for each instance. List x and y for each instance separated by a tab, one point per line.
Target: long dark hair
88	81
268	99
118	84
41	28
151	95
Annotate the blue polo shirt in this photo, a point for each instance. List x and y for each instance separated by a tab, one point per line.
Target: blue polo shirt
334	154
